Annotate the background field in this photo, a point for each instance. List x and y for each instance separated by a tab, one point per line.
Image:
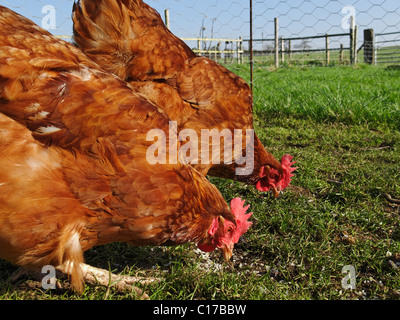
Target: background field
342	125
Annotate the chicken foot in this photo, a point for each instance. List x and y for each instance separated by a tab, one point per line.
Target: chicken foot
103	277
92	276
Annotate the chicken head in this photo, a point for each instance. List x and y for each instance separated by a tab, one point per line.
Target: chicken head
223	233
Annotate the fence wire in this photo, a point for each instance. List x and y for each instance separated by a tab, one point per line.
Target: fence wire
295	32
220	29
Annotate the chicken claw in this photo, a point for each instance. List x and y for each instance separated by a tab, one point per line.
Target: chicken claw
103	277
92	276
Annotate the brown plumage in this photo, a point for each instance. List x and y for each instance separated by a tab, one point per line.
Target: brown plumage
129	39
73	166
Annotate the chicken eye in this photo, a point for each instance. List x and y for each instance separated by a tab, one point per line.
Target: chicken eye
230	229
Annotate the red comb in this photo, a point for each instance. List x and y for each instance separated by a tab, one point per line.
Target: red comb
239	211
287	170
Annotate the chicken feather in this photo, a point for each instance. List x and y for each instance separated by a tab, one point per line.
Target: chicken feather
73	167
129	39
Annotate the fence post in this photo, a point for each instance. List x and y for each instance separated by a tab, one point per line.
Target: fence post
238	50
355	44
199	46
369	49
276	20
327	49
341	55
166	12
282	49
352	39
290	50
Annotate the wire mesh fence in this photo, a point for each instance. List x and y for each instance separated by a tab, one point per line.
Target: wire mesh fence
387	49
309	32
263	34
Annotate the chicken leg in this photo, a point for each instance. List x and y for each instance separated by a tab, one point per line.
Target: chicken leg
92	276
103	277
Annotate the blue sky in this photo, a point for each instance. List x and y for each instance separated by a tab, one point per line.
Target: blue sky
230	18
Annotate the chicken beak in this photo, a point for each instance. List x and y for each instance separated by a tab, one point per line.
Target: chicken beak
276	191
227	251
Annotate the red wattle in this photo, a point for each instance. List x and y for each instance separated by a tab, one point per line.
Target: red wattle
206	247
260	186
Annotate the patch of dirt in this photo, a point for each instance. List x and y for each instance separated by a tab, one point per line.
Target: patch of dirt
345	238
241	261
300	191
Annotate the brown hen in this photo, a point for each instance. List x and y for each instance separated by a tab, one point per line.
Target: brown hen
129	39
73	167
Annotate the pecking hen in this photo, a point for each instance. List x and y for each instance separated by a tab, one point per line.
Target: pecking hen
129	39
73	167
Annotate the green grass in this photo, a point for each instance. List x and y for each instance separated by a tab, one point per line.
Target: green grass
352	95
342	126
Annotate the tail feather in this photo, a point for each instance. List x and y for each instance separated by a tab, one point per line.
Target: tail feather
70	257
103	31
64	253
128	38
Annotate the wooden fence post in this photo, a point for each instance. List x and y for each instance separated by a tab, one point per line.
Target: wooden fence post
341	55
167	18
290	50
327	49
241	50
355	44
276	43
238	50
352	39
282	50
199	46
369	49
